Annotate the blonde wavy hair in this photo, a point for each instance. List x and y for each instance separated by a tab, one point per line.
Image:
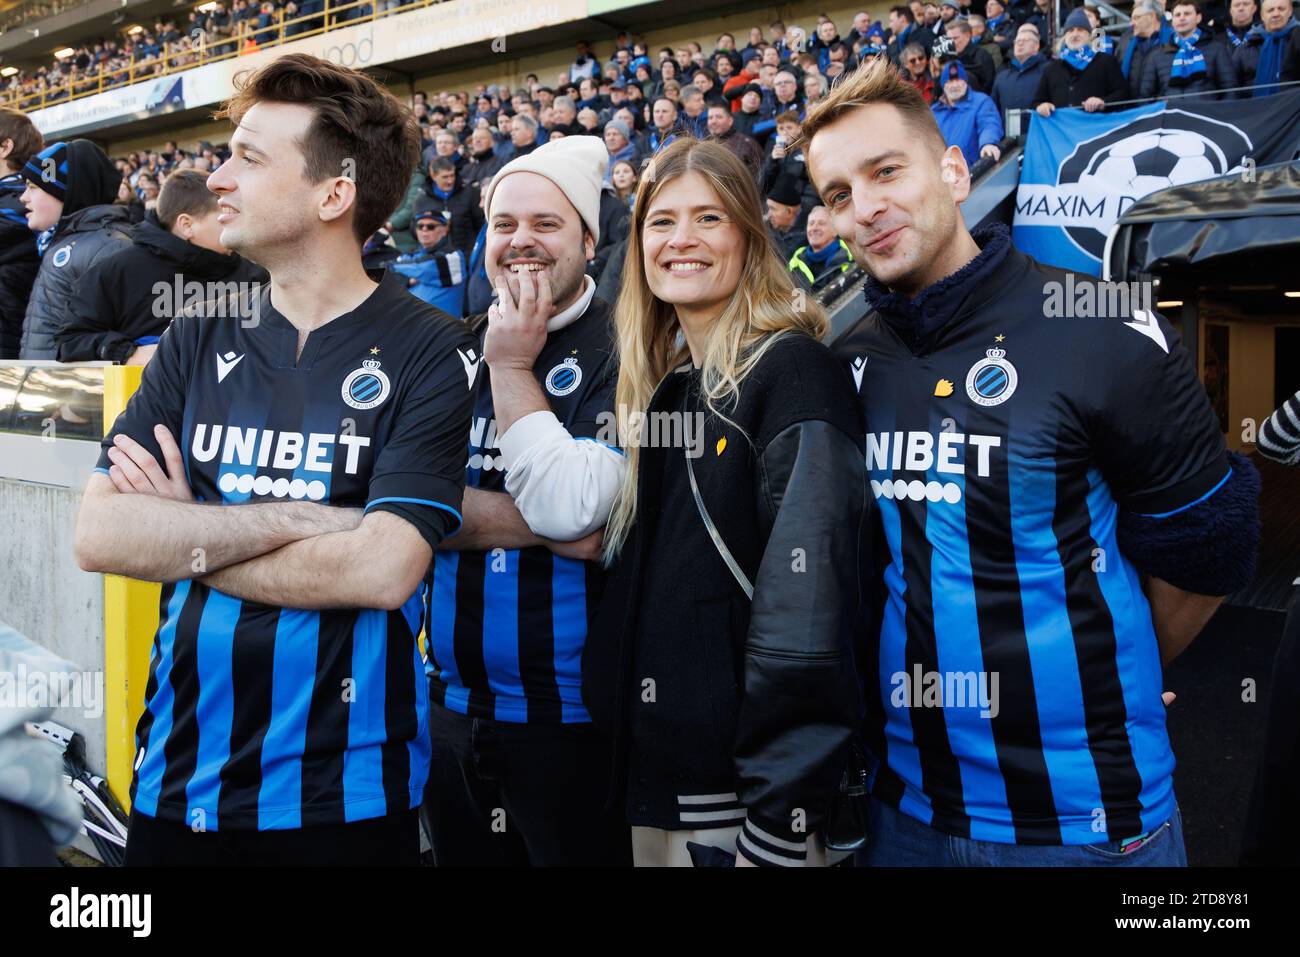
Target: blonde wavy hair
764	305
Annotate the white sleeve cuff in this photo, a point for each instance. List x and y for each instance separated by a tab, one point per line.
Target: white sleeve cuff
563	487
533	429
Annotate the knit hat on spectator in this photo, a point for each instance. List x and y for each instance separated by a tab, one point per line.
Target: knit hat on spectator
575	164
784	191
953	70
951	3
48	170
621	127
1077	18
78	173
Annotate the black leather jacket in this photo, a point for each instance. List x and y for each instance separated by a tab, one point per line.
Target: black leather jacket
724	710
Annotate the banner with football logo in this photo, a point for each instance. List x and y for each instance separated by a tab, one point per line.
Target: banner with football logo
1082	170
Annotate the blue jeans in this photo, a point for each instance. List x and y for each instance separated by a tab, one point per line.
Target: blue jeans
897	840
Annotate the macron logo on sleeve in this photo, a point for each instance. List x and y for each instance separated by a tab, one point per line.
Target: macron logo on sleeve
470	360
1145	323
226	364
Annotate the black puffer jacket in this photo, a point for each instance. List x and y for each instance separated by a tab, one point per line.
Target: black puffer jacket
724	710
136	291
90	228
18	264
1157	70
82	239
1245	59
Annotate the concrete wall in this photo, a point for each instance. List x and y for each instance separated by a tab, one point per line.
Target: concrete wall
47	597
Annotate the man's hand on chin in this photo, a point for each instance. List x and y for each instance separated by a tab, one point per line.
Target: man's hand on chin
516	331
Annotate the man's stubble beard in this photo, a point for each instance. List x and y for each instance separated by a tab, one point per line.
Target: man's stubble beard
572	289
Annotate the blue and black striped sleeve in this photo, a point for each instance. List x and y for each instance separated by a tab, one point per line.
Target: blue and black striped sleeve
1189	508
420	472
1153	431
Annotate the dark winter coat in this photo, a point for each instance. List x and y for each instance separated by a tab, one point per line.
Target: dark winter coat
1158	65
18	264
1063	85
135	292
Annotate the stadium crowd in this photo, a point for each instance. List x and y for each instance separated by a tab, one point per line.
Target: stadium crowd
975	63
552	566
694	697
213	31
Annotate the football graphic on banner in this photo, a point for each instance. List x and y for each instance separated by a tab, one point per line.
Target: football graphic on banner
1083	170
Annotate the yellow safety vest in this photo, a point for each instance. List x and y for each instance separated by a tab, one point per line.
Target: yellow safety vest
797	263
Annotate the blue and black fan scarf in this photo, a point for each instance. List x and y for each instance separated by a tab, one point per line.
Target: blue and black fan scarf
1080	58
1189	61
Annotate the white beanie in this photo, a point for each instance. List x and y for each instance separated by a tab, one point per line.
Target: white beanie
576	164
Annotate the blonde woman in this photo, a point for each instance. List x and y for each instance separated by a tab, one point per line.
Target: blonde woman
721	659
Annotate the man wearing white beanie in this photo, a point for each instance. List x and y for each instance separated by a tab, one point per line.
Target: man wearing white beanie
518	775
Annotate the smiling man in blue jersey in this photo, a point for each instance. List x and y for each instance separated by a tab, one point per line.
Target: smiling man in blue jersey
312	449
519	775
1060	511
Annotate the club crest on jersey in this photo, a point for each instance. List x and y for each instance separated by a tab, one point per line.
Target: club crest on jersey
991	380
366	387
564	378
62	255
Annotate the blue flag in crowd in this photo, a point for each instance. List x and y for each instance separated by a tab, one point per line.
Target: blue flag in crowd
1083	170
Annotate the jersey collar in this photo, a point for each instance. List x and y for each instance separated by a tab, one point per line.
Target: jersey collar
568	316
391	287
920	321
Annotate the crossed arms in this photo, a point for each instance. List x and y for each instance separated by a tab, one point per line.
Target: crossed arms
142	521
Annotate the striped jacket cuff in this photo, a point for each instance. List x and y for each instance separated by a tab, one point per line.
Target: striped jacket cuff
1279	436
705	811
767	850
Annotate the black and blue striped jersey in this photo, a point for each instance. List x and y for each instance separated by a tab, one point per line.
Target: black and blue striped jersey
260	717
1019	676
507	627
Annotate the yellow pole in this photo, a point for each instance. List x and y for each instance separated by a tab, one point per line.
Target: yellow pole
130	620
